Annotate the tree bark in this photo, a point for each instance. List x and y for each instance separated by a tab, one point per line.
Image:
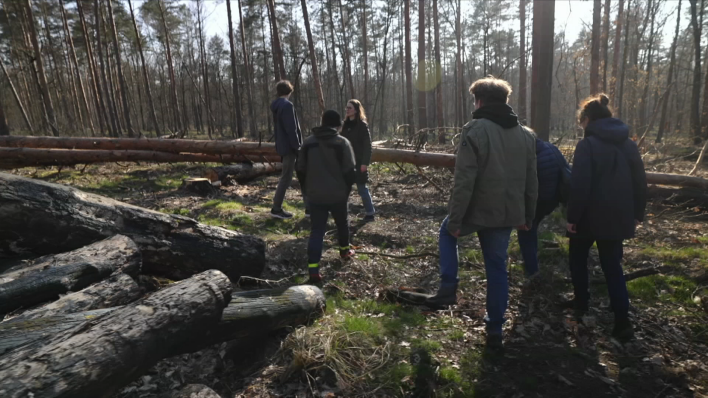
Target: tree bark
170	66
44	87
625	53
696	86
249	82
313	57
17	98
277	48
146	76
523	79
616	51
171	245
119	68
422	116
459	79
115	129
4	128
542	67
234	78
365	53
439	114
130	340
605	44
595	49
119	289
241	172
410	112
204	66
346	53
669	78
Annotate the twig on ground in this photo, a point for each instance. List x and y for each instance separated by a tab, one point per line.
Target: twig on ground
268	282
409	256
420	171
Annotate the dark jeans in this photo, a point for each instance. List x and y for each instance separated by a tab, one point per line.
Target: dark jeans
495	245
611	261
319	213
528	240
286	178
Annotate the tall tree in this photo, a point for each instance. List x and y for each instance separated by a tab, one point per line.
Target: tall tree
409	66
17	98
439	115
204	65
669	77
422	116
625	54
346	51
49	115
313	57
605	44
277	48
119	68
182	130
595	50
459	80
249	82
542	67
238	128
522	60
365	53
696	87
146	75
616	50
115	129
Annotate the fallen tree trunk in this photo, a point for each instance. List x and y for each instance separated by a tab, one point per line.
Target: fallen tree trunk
248	314
50	276
25	157
119	289
101	356
241	172
40	217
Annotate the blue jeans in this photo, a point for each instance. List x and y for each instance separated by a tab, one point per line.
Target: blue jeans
366	198
495	246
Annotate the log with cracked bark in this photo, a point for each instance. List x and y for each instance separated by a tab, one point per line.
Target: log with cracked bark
241	172
102	355
41	218
248	314
47	277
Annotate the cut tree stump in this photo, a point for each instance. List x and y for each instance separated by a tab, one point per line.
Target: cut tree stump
200	186
41	218
241	172
249	313
48	277
119	289
196	391
103	355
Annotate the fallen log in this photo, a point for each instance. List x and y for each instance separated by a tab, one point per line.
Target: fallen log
119	289
196	391
248	314
40	217
101	356
50	276
25	157
241	172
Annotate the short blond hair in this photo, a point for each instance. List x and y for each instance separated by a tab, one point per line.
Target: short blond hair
491	90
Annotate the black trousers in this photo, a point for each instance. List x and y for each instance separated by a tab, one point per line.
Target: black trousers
319	213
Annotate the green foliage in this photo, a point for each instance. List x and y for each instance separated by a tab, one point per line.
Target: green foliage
658	288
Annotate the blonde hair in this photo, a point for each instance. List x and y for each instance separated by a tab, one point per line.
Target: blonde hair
491	90
360	112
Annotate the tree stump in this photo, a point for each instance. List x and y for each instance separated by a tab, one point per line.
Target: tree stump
200	186
241	172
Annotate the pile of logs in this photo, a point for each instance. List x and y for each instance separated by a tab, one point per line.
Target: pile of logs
79	321
16	151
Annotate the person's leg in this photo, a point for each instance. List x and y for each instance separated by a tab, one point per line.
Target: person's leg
611	252
579	249
366	198
495	246
286	178
341	219
447	294
319	215
528	243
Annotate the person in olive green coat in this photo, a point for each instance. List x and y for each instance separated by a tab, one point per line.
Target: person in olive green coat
356	131
495	190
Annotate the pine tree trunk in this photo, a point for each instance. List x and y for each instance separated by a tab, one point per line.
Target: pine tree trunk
119	69
650	64
605	44
277	48
669	78
335	72
4	128
205	71
313	57
17	97
44	87
410	112
95	81
696	86
439	115
171	69
616	51
346	53
104	74
365	54
459	80
234	78
248	77
146	76
625	53
422	116
542	67
522	61
595	49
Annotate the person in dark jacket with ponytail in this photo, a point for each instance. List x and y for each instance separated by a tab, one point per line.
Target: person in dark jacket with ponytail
607	203
356	131
549	162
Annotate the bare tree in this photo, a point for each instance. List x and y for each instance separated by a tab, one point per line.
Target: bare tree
238	128
696	87
616	51
313	57
522	61
669	77
595	51
439	115
277	49
542	67
365	53
422	117
171	70
146	75
249	82
605	44
119	67
346	53
408	67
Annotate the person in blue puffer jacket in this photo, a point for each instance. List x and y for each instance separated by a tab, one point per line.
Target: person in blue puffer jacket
549	161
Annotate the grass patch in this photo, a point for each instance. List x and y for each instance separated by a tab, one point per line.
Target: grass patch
457	335
662	288
677	256
358	324
426	345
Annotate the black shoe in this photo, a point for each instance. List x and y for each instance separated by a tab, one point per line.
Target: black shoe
580	308
446	296
368	218
494	344
623	330
282	214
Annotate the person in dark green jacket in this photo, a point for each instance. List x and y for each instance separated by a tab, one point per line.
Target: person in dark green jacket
325	168
356	131
495	190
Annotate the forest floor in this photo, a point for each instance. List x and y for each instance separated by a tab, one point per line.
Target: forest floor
366	346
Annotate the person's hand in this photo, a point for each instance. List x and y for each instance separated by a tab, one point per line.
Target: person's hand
523	227
364	168
572	228
456	234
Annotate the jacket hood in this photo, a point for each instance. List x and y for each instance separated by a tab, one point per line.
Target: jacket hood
324	132
275	105
501	114
608	129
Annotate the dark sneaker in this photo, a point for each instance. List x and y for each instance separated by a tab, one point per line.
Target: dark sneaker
346	254
623	330
579	308
446	296
368	218
282	214
314	279
494	343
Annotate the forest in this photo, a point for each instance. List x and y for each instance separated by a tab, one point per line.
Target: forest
139	255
